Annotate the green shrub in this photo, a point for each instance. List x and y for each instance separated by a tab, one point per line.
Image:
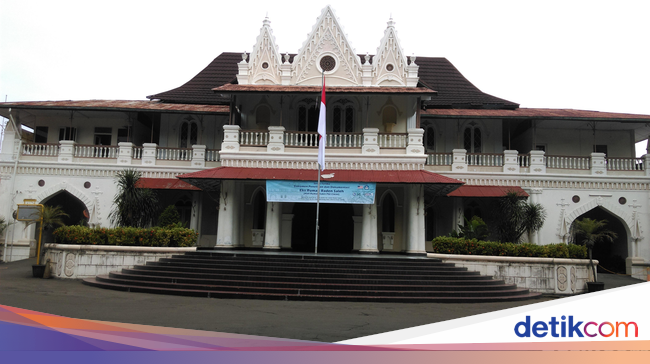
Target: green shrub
169	216
126	236
461	246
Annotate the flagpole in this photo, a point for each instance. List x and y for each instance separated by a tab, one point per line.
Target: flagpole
318	185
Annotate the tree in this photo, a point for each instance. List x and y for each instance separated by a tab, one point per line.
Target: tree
589	232
514	216
169	217
133	206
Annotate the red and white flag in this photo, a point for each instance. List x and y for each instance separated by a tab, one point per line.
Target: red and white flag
321	130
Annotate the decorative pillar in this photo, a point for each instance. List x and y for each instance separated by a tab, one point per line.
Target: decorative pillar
285	70
646	161
537	162
66	151
370	141
272	228
149	154
510	161
412	77
228	225
366	71
230	138
358	229
415	237
242	75
276	139
415	138
535	195
369	231
195	215
598	166
459	163
125	153
285	231
198	156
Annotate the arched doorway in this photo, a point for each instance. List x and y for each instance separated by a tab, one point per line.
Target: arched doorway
336	233
71	205
609	255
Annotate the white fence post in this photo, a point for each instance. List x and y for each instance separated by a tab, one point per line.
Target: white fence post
125	156
149	154
415	146
510	163
230	138
276	139
370	143
67	150
598	165
537	164
198	156
459	160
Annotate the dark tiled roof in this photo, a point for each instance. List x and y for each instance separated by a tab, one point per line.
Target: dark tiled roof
454	90
198	90
230	88
116	105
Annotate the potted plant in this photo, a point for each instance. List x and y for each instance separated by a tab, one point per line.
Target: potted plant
589	232
50	217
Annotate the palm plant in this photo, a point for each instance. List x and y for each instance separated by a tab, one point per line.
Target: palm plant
3	225
591	231
133	206
515	216
474	228
51	217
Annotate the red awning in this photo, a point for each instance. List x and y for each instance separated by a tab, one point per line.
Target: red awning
165	184
330	175
486	191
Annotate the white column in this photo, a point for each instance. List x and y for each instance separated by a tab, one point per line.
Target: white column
370	141
276	139
125	152
537	163
230	139
9	144
285	231
415	238
66	151
535	196
227	228
415	146
647	162
272	228
149	154
510	163
369	231
598	166
196	208
459	163
198	156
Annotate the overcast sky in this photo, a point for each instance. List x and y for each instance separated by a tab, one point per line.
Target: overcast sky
591	55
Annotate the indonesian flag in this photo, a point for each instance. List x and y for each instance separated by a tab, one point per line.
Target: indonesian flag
321	130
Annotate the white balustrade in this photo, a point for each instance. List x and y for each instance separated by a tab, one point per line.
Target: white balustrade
254	137
137	152
96	151
344	140
485	159
523	160
174	154
301	139
624	164
439	159
41	149
392	140
212	155
568	162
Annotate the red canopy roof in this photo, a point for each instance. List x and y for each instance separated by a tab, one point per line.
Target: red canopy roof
165	184
486	191
331	175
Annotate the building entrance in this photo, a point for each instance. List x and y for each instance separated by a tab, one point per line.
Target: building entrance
336	233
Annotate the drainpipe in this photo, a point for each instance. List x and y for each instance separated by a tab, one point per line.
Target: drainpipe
13	182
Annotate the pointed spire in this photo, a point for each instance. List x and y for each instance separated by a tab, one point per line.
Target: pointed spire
266	22
391	23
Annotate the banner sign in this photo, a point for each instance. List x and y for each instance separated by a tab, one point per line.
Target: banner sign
330	192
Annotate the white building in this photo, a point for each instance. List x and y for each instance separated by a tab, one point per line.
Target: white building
413	125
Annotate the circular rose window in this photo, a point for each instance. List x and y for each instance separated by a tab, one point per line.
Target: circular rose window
265	65
327	63
389	67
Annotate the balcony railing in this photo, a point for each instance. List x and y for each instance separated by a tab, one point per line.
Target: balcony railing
624	164
212	155
567	162
485	159
392	140
137	152
344	140
40	149
439	159
96	151
301	139
174	154
254	137
523	160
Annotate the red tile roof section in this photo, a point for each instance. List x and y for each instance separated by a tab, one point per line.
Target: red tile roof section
231	88
165	184
485	191
116	105
533	114
338	175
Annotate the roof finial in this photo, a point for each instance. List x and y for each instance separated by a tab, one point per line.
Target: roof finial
267	22
391	23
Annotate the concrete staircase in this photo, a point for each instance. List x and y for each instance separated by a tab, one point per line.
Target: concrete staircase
301	276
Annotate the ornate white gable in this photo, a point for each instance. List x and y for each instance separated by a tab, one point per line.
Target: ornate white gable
390	67
327	39
263	67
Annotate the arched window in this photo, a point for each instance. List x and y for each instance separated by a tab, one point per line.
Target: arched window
388	214
263	117
307	118
189	134
259	210
429	138
472	140
343	119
